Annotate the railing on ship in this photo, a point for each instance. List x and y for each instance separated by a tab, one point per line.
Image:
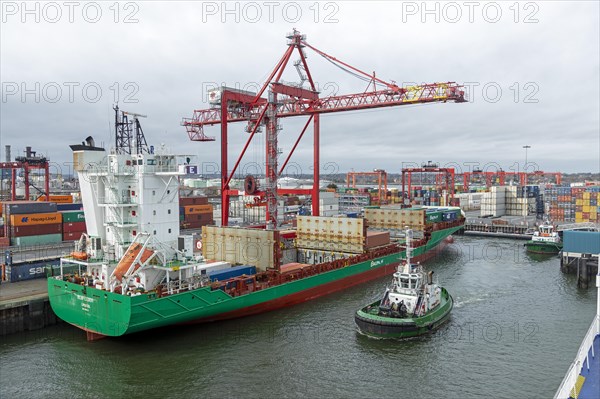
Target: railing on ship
567	387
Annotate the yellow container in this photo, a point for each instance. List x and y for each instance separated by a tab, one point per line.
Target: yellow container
30	219
579	201
586	208
578	215
586	196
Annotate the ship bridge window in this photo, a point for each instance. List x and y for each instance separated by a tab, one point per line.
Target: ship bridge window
151	162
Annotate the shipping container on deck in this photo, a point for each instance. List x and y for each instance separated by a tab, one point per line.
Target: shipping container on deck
74	227
58	199
377	238
26	207
73	235
185	201
73	216
35	230
29	219
36	240
433	216
292	267
198	209
4	242
195	225
235	271
200	217
69	207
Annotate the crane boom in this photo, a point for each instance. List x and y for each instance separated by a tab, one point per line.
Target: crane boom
288	100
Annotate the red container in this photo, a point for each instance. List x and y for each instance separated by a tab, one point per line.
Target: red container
74	227
35	230
377	238
185	201
4	242
72	236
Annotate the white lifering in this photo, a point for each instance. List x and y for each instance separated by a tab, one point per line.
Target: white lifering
199	245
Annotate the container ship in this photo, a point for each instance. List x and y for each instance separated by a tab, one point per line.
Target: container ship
133	270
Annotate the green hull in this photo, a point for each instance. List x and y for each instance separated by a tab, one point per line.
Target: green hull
111	314
538	247
373	325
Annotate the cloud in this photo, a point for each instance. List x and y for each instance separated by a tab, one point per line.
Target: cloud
547	73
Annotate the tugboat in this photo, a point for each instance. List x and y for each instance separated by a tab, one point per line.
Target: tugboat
413	305
544	241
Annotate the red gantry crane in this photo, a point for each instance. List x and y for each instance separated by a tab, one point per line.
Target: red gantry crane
381	176
286	100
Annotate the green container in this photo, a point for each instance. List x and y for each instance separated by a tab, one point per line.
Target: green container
73	216
36	240
433	217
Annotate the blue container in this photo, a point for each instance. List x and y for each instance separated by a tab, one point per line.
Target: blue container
352	214
30	271
225	274
182	210
69	207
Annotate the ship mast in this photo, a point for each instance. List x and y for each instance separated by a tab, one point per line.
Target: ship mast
408	235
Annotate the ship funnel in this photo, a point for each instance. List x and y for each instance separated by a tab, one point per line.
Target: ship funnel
90	141
7	152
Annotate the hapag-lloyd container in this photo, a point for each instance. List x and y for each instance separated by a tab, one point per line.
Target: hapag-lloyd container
29	219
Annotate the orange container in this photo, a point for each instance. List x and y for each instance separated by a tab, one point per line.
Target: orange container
59	199
29	219
196	209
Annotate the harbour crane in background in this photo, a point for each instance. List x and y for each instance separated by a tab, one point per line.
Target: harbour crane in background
287	100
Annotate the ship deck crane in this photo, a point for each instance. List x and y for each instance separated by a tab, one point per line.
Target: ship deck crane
288	100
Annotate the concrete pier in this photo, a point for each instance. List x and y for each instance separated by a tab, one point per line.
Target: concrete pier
24	306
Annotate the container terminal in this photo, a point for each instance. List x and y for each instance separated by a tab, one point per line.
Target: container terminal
41	226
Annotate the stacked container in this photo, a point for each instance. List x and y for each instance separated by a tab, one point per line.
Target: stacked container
73	225
195	212
32	223
573	204
586	205
494	202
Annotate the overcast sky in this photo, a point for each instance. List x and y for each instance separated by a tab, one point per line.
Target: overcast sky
532	69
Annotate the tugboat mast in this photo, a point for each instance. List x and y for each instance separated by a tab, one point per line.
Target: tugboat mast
408	235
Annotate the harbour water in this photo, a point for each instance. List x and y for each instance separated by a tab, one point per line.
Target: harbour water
515	328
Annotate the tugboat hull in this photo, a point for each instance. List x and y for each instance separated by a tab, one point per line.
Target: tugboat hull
370	323
543	247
